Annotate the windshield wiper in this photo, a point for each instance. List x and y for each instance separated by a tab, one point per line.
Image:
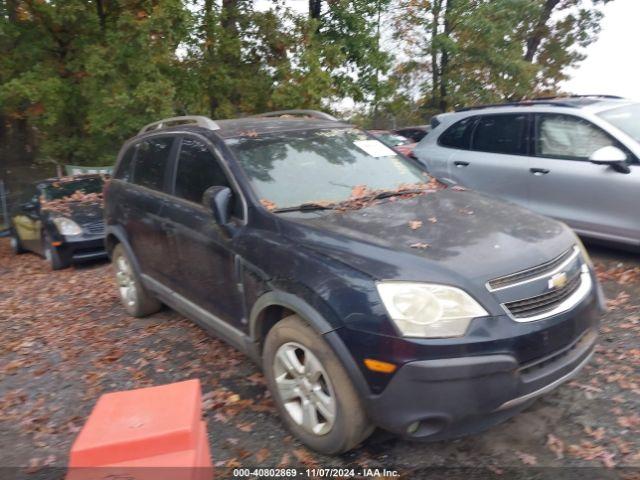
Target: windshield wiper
306	207
394	193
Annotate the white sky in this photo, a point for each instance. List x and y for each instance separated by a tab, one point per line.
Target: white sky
612	66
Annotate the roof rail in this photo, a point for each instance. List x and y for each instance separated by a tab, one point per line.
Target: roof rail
560	97
197	120
523	103
302	113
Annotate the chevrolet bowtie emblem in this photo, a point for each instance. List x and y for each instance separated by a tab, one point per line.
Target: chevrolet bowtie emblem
559	280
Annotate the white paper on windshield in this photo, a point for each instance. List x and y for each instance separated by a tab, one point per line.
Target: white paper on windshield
375	148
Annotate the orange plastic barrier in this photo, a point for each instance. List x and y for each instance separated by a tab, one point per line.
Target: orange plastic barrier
150	433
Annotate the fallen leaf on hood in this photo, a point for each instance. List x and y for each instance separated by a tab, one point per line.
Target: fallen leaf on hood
268	204
415	224
420	245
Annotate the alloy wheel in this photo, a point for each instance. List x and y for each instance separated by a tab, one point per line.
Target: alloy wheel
126	283
304	388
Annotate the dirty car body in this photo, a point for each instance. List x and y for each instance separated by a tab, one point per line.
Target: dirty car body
62	220
302	235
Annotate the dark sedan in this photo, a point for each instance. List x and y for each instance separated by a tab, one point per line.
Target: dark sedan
61	220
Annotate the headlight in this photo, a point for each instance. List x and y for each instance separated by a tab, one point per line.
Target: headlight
583	250
428	310
67	226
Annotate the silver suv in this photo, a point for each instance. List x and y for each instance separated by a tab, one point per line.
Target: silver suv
572	158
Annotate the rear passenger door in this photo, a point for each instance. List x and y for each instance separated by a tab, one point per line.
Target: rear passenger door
204	251
564	184
142	203
496	161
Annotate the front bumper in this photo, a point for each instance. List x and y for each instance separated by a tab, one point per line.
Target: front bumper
82	248
454	397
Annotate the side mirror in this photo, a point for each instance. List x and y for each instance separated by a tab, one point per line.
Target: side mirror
218	200
612	157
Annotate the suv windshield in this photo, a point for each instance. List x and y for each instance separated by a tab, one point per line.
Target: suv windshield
295	168
626	119
61	189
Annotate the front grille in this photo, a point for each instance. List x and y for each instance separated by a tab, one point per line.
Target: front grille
540	304
95	228
536	271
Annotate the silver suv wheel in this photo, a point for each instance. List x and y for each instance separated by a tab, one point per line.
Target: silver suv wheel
126	283
305	388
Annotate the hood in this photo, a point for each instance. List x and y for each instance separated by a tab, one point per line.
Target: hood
80	212
449	236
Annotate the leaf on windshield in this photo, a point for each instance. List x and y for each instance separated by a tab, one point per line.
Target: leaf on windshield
420	245
359	191
268	204
415	224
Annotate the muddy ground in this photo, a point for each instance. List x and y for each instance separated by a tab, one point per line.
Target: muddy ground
65	340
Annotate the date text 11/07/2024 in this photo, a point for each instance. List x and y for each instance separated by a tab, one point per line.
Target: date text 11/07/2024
315	472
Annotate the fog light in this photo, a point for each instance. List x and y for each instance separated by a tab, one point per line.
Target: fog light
413	428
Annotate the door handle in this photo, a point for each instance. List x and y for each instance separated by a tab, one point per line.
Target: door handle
461	164
539	171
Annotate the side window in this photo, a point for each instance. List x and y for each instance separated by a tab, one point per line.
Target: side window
197	170
568	137
501	134
151	161
458	135
125	167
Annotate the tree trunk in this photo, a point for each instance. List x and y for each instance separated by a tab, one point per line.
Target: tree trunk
444	58
102	17
315	7
536	36
435	68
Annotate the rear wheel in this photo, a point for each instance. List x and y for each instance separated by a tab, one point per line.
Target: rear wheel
136	299
16	245
312	390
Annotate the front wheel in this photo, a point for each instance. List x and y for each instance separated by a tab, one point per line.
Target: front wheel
16	244
52	256
312	390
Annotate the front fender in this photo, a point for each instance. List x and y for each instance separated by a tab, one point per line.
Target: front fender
318	323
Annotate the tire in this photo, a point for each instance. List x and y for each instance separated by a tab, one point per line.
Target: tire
135	298
51	255
16	244
350	426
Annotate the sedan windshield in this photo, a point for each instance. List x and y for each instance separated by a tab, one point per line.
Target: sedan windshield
296	168
66	188
626	119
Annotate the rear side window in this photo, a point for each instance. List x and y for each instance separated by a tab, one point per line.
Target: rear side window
568	137
458	135
151	162
125	167
197	170
501	134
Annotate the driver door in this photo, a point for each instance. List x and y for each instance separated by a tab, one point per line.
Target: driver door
28	225
205	252
563	183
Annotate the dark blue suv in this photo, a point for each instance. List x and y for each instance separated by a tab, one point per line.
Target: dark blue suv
371	294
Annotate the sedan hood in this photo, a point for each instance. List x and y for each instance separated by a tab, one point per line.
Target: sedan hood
80	212
449	236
